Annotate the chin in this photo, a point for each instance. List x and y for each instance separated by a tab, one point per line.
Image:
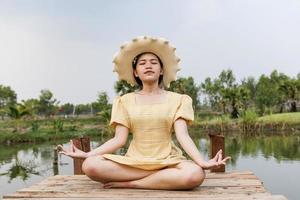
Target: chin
150	81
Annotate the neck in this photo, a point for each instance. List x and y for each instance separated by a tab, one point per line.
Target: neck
150	88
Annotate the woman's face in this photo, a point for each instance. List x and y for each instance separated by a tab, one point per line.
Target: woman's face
148	68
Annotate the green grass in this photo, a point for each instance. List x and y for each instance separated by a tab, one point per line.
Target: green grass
250	122
50	129
288	118
46	129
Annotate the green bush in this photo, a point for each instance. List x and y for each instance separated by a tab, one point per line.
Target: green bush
58	125
35	126
248	121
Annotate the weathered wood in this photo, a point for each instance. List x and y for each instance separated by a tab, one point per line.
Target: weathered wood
217	142
229	185
250	197
83	144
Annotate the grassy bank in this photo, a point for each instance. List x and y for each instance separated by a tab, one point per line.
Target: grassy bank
12	131
251	123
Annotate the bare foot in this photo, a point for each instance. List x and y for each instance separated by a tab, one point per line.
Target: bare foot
124	184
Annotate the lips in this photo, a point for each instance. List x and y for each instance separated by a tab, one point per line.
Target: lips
149	72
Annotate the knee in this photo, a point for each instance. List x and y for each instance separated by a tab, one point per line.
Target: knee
90	166
194	177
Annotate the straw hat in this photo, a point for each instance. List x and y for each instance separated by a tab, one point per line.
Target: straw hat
159	46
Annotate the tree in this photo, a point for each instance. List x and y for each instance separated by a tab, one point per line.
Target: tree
104	106
47	105
225	92
189	87
8	97
268	94
291	90
228	88
31	106
250	84
101	103
82	109
211	90
16	112
66	109
122	87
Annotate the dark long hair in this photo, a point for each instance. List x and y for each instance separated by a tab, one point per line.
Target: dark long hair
134	63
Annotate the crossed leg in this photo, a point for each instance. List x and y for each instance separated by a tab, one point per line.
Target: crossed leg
103	170
185	175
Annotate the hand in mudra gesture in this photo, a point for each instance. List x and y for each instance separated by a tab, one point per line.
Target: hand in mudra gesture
215	162
72	152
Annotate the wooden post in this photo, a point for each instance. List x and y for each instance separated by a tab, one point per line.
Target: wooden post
55	163
216	143
83	144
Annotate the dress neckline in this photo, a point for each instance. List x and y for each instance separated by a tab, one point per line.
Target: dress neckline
166	100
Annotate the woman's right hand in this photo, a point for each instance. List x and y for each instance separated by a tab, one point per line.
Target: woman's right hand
73	152
215	162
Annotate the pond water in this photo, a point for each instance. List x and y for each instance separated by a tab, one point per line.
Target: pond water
275	159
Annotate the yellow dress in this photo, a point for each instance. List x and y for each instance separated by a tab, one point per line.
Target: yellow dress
151	146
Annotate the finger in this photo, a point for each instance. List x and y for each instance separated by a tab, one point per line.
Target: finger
227	158
220	157
60	148
74	148
71	144
64	153
217	155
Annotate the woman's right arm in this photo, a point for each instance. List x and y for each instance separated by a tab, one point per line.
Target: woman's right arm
119	140
113	144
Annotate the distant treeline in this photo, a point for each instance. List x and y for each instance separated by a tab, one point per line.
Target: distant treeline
274	93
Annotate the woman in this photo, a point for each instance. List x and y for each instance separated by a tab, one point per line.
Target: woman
152	161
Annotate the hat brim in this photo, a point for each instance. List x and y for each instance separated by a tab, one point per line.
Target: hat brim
159	46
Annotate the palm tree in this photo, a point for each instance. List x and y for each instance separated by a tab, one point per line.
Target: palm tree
17	112
290	88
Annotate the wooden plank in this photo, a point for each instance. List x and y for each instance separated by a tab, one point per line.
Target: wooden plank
225	186
99	191
237	174
207	182
166	198
209	197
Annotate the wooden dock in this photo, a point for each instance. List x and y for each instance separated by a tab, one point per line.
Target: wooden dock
229	185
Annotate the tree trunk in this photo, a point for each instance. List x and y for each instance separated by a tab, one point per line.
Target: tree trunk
293	106
235	112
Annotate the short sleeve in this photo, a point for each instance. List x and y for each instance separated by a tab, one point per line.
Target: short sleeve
185	110
119	114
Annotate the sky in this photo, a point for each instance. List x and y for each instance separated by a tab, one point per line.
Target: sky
67	46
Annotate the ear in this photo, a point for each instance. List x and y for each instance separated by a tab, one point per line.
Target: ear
161	72
135	73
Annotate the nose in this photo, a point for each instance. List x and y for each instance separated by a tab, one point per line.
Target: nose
148	65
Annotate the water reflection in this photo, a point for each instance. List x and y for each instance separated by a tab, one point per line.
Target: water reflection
278	147
30	163
21	169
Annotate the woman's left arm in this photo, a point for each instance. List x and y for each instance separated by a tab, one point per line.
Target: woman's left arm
190	148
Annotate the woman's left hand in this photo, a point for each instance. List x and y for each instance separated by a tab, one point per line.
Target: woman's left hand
215	162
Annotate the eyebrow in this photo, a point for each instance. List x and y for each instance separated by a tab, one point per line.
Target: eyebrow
152	59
